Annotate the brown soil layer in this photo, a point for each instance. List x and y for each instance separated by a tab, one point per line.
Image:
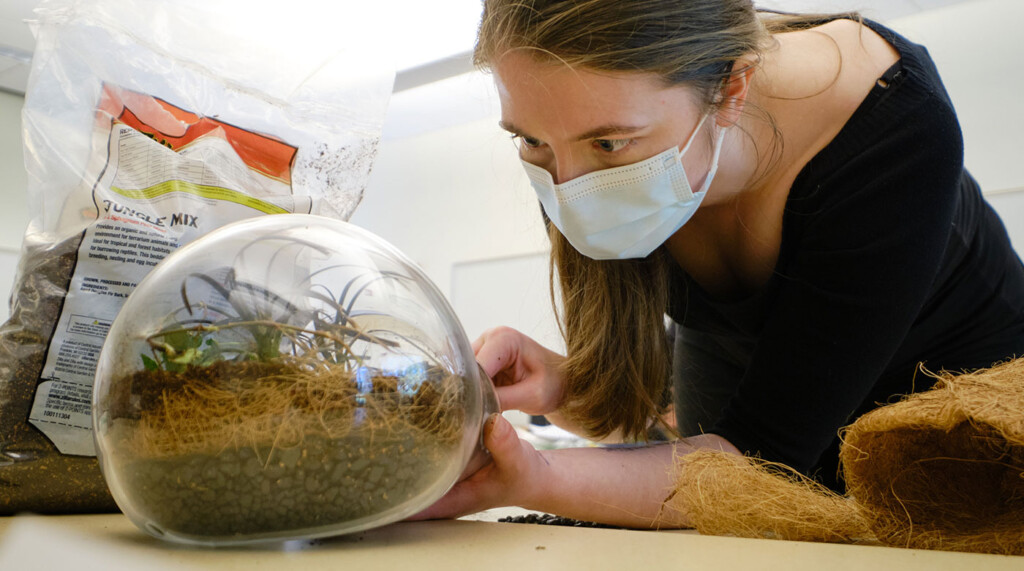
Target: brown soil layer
322	482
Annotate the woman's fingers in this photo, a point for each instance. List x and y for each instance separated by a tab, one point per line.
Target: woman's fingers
462	499
493	484
529	397
479	342
525	373
498	350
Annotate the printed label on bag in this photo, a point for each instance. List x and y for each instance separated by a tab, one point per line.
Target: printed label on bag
164	177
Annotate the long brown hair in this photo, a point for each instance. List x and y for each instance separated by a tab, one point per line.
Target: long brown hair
612	319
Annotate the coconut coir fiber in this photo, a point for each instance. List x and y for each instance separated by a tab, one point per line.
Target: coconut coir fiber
942	469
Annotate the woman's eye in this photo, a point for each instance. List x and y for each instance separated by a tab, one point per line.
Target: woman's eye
611	145
530	142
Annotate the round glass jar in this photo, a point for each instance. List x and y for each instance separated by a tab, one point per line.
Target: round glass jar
287	376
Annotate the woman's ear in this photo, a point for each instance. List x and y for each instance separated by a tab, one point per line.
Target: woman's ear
734	91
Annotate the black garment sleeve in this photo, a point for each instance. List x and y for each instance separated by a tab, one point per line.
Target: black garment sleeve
871	234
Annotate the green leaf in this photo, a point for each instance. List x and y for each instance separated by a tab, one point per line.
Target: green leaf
149	364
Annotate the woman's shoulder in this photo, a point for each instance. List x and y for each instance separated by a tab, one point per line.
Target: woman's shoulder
857	97
865	52
872	55
816	81
896	119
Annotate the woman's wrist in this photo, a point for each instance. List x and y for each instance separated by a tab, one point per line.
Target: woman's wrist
616	486
534	491
624	486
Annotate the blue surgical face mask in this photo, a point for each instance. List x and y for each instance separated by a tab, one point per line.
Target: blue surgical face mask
628	211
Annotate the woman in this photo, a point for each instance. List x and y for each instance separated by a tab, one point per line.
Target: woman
789	190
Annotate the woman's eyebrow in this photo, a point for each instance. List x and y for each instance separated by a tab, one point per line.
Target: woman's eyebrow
608	130
595	133
510	128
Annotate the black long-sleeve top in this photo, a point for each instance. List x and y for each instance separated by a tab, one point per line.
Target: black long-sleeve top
890	257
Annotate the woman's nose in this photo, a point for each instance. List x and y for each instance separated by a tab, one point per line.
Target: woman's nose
566	167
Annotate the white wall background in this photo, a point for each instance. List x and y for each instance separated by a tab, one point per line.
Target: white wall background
448	190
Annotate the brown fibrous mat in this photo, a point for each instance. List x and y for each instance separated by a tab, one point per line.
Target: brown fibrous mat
942	469
274	403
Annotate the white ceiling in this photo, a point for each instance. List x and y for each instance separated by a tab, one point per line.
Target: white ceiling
431	38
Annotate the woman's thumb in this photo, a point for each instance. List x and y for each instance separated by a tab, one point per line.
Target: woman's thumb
500	438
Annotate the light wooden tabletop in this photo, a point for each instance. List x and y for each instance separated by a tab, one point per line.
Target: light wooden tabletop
87	542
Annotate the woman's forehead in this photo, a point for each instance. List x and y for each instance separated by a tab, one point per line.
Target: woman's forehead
535	91
521	68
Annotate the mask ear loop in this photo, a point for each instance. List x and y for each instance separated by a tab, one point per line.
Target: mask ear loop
714	157
718	141
714	161
693	135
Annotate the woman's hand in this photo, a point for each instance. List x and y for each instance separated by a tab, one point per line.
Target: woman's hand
515	471
524	372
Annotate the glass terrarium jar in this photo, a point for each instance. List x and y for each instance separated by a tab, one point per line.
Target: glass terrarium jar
282	377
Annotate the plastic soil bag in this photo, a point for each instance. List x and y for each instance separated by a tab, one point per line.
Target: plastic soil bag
148	124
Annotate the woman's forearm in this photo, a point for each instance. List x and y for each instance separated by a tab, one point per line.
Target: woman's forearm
624	486
618	486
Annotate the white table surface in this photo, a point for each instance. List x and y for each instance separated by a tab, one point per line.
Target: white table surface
88	542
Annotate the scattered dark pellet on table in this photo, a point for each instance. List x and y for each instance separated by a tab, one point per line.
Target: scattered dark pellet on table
549	519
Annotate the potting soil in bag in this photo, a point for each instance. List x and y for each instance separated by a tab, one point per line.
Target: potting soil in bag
146	125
